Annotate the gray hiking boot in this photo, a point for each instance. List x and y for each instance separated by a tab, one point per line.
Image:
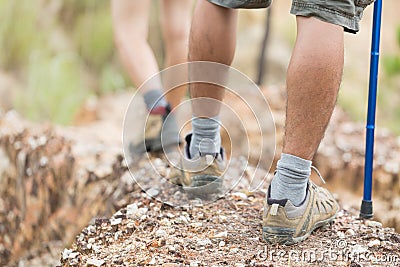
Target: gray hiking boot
199	176
283	223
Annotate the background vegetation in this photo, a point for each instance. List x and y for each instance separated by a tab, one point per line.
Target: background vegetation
60	53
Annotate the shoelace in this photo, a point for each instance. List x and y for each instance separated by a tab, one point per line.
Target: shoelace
319	174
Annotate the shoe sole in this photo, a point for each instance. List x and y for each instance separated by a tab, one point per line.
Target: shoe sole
204	185
284	236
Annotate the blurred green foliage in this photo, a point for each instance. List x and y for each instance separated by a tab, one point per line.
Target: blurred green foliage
54	89
391	63
389	95
18	32
62	51
92	35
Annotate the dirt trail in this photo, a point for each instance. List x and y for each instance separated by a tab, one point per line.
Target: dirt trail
225	233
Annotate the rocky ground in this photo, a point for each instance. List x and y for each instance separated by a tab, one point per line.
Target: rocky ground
224	233
57	180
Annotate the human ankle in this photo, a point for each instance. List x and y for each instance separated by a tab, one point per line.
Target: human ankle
206	137
155	101
291	177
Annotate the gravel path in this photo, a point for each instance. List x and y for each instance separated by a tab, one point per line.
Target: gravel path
224	233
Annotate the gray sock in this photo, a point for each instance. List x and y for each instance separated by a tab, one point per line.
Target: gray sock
206	138
291	177
154	98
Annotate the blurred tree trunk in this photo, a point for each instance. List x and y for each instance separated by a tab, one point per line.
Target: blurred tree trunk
262	60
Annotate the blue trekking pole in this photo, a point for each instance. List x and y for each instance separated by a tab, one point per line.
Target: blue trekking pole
366	211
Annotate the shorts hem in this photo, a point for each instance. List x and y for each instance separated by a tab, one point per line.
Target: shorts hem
234	4
348	22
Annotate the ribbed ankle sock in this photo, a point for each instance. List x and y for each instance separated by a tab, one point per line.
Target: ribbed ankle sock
154	99
291	177
206	138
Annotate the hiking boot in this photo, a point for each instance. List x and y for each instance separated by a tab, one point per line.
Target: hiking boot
283	223
161	132
201	175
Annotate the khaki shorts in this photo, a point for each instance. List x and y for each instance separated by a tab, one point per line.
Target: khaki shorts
346	13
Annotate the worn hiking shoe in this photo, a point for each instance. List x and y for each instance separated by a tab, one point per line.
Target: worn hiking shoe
161	132
283	223
199	176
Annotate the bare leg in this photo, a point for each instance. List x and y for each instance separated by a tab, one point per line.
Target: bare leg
212	38
175	22
313	81
130	21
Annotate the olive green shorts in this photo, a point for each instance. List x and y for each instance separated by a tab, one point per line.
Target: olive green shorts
346	13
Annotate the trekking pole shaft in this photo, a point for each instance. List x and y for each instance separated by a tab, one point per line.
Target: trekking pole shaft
366	207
